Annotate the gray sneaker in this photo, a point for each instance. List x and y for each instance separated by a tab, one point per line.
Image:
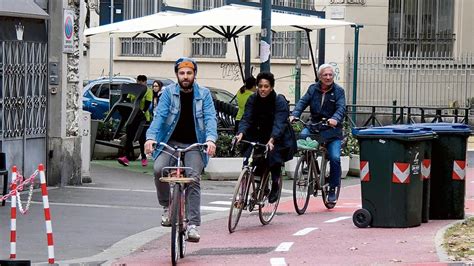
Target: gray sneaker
193	234
165	218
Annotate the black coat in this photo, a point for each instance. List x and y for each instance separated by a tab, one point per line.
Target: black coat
254	129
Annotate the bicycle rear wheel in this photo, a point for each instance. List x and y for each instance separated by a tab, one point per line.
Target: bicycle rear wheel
267	210
175	232
239	199
302	184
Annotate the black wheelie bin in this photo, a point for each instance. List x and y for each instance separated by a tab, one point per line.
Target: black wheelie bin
391	179
448	169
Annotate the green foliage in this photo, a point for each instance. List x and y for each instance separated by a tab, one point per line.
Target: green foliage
224	145
105	131
352	145
297	127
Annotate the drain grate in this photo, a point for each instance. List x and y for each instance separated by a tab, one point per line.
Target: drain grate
231	251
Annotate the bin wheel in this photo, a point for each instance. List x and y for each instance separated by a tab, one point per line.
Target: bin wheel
362	218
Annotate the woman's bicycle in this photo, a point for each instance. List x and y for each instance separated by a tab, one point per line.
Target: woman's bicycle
311	177
251	193
176	177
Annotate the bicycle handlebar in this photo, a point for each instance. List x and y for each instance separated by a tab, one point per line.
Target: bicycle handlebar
323	122
252	143
177	149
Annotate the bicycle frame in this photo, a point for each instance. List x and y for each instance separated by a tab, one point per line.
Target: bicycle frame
177	180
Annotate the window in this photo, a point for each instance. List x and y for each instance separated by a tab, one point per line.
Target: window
207	4
305	4
209	47
140	8
284	45
95	90
150	47
421	26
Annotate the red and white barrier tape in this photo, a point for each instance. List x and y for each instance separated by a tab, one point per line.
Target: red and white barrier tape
15	188
47	215
13	216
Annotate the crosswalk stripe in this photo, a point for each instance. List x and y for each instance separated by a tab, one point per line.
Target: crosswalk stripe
284	246
278	261
212	208
221	202
305	231
338	219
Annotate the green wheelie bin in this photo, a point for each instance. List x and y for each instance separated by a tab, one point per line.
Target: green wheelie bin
448	169
425	171
391	178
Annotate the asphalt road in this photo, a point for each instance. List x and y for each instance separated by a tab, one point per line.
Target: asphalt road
117	215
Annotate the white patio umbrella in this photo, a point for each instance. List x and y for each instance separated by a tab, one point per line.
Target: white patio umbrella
228	21
141	25
234	20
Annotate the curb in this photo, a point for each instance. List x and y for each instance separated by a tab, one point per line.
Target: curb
439	240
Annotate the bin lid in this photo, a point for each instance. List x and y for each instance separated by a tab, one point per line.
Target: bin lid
400	132
445	128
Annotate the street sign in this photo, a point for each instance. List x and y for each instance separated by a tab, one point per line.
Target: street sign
68	31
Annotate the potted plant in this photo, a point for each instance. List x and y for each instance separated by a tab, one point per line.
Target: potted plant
351	149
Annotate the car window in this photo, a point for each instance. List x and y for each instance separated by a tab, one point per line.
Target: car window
95	90
225	97
105	91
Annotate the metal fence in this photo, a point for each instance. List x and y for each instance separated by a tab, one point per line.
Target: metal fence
412	80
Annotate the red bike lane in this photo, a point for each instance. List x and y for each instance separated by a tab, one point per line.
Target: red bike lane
320	236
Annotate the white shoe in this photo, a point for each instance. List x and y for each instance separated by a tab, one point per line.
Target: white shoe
193	234
165	218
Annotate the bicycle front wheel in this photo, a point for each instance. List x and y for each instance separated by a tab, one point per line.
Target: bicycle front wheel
302	184
267	210
175	224
239	199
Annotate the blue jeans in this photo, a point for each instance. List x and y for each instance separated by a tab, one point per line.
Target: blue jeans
192	159
334	154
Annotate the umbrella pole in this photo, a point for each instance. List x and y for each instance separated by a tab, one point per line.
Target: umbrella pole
238	59
312	55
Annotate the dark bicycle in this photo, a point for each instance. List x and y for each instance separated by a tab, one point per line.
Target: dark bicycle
311	176
176	177
250	192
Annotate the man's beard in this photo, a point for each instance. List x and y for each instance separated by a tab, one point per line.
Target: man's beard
186	88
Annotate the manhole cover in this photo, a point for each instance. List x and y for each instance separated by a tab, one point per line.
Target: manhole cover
232	251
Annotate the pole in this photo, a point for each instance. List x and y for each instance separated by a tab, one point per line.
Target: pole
266	35
111	64
298	61
354	81
247	57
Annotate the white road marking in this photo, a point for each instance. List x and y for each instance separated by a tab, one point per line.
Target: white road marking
221	202
139	190
203	208
278	261
338	219
284	246
212	208
305	231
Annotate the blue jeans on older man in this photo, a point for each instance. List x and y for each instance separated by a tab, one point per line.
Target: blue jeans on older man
334	154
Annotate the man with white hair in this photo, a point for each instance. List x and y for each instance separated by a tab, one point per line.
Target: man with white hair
326	101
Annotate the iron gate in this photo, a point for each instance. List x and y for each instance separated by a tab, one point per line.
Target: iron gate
23	81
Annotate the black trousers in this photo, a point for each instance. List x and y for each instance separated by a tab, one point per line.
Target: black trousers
131	132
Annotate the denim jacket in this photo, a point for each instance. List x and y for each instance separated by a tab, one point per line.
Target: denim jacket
333	106
167	113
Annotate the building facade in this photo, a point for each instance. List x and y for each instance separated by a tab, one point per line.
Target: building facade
402	28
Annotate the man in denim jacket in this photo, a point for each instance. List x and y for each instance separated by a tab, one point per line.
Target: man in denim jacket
326	101
185	115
